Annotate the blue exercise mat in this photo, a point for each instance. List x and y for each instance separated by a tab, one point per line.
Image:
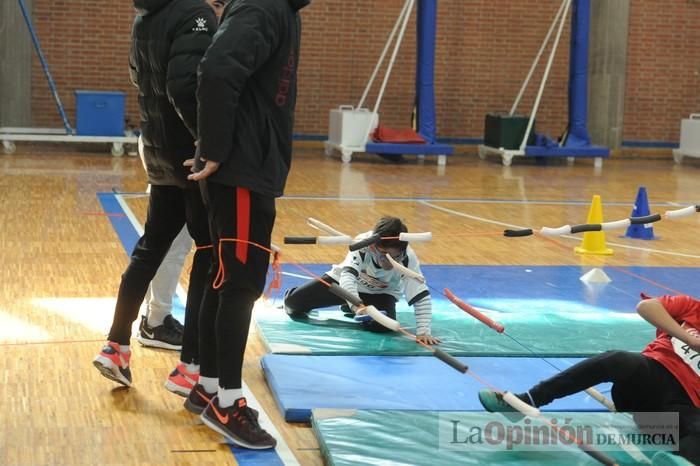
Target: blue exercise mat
546	308
302	383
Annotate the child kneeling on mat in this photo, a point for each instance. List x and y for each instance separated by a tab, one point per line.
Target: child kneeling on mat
367	273
664	377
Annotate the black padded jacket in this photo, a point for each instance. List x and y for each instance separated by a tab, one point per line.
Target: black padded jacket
247	94
169	38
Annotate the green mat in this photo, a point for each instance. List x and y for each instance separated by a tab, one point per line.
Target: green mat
547	334
352	437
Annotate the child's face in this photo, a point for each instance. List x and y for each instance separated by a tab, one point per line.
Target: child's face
218	6
380	254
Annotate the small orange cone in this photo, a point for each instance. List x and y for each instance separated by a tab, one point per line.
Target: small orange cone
594	241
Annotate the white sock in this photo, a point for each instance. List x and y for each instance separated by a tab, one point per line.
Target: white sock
227	396
210	384
192	368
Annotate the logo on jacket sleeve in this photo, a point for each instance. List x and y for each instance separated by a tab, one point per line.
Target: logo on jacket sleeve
284	84
200	25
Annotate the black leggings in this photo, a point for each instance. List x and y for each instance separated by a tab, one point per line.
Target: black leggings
234	213
639	384
315	295
169	208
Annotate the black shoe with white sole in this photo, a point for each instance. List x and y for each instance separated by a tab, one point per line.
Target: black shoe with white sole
168	335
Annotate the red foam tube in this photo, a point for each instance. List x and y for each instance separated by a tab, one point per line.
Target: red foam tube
473	312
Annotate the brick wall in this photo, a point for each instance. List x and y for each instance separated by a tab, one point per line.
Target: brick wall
86	43
663	68
484	50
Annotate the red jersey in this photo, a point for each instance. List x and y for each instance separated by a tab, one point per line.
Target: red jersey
680	360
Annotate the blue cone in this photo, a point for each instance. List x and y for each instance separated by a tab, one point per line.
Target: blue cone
641	209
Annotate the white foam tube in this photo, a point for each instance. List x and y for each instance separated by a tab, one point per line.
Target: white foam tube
404	270
680	212
565	230
520	405
607	226
323	227
600	398
383	320
334	240
416	237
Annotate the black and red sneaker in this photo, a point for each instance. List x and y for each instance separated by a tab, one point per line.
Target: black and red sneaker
238	423
198	399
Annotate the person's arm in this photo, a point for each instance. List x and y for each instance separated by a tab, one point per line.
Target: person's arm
418	296
192	37
656	314
348	282
247	37
423	308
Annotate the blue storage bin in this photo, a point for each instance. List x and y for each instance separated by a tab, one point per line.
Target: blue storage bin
99	113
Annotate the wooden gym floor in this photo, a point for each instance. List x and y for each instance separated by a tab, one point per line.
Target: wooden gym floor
62	261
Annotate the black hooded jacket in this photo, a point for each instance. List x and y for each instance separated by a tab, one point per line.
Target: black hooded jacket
169	38
247	94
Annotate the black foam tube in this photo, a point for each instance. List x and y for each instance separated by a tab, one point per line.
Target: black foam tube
450	361
515	233
586	227
344	294
365	242
299	240
645	219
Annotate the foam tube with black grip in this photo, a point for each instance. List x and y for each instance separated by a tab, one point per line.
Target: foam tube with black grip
345	294
344	240
365	242
644	220
586	227
517	233
299	240
450	361
381	319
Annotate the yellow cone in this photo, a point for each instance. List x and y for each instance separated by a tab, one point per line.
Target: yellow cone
594	241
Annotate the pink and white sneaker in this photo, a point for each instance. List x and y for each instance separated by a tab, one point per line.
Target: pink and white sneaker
113	363
180	381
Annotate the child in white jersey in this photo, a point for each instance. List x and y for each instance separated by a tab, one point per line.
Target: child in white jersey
368	274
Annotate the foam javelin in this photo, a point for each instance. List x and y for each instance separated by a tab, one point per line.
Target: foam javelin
606	226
